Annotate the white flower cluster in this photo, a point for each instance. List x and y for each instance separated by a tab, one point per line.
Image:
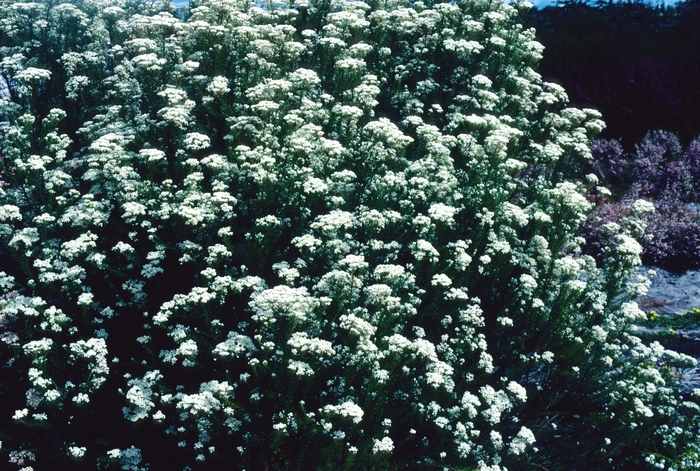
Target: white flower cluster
347	409
129	459
280	222
140	395
77	451
95	352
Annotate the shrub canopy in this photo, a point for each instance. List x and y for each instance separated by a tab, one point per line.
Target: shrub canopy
326	235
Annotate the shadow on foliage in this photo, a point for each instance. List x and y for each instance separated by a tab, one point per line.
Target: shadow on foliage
637	63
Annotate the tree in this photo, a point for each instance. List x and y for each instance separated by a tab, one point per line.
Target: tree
331	235
635	62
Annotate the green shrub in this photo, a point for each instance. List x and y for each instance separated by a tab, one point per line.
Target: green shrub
336	235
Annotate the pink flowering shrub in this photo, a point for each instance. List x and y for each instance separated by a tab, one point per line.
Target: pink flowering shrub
660	171
324	235
671	239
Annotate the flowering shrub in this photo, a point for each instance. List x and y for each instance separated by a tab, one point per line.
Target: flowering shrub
660	170
333	236
610	163
668	177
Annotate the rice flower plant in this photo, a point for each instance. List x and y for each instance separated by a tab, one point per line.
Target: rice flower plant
314	235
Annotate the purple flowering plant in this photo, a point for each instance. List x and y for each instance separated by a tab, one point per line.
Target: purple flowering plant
662	172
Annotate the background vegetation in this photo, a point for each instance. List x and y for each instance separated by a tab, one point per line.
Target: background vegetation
636	62
639	64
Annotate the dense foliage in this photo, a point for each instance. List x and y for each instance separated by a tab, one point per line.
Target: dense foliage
331	235
662	172
637	62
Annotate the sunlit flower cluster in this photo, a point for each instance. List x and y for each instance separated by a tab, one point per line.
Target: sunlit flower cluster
332	234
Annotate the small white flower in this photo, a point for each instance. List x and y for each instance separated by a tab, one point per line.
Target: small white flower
85	299
115	453
528	283
441	212
300	342
282	300
422	249
218	86
300	368
441	280
522	440
140	396
385	445
38	347
152	155
77	451
496	439
630	311
190	66
51	395
150	62
130	459
235	345
347	409
195	141
81	398
643	207
32	74
517	390
629	246
462	46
